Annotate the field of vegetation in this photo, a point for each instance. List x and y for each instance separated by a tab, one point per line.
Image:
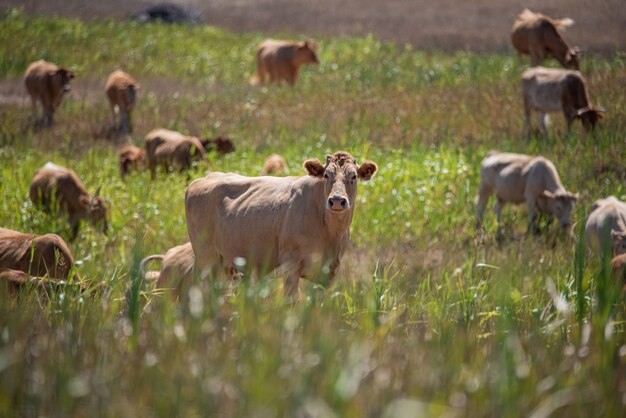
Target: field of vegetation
427	317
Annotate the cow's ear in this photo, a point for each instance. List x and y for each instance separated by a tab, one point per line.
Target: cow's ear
573	196
314	168
84	200
617	236
367	170
548	195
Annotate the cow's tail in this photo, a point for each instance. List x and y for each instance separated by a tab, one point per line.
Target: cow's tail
151	275
564	23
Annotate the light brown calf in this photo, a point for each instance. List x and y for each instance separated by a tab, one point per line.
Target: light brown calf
281	60
47	83
538	35
131	158
121	89
34	255
605	229
274	165
172	149
518	178
554	89
58	188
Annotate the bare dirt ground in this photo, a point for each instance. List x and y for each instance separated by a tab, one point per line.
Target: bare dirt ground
477	25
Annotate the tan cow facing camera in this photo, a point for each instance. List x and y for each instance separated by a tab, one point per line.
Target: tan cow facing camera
287	224
47	83
281	60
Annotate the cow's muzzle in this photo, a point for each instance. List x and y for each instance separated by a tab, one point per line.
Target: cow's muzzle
338	203
66	88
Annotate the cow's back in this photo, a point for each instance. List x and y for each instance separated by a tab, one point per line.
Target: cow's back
36	77
57	183
236	216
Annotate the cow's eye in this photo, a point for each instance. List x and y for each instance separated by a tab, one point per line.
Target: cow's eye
325	175
353	178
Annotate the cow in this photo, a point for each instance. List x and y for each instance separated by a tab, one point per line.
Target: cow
35	255
274	165
281	60
221	144
538	35
618	269
170	148
121	89
176	267
552	90
58	188
518	178
131	158
605	229
275	223
47	83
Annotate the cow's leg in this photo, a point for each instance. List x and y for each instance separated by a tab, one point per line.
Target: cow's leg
484	192
497	209
124	127
291	74
47	116
532	214
570	116
33	102
75	224
527	111
114	116
542	123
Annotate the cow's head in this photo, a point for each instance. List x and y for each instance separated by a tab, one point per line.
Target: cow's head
96	208
223	145
340	175
619	241
558	205
306	53
589	116
571	59
62	78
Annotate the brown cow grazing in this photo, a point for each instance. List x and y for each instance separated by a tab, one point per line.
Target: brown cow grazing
552	90
48	84
221	144
121	89
518	178
274	165
35	255
301	224
538	35
281	60
170	148
131	158
58	188
176	267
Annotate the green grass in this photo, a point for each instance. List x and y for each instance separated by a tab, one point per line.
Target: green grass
425	314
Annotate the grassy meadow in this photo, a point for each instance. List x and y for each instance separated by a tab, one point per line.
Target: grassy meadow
427	317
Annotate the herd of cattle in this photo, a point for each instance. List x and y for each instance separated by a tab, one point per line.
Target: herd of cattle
296	226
